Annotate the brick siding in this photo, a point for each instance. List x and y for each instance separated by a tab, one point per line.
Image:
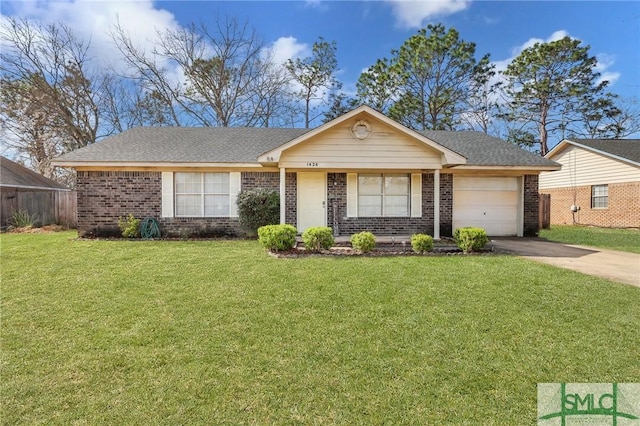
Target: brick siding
531	217
343	225
105	196
446	205
623	210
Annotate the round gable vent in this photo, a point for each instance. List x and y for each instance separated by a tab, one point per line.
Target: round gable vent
361	129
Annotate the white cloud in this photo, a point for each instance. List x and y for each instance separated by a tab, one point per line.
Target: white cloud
557	35
412	14
605	61
93	20
286	48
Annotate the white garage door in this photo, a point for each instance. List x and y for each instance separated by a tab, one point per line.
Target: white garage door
490	203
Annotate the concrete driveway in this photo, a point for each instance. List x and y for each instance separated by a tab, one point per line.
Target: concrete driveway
615	265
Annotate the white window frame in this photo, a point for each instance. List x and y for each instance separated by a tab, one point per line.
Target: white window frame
383	195
202	194
600	196
169	195
414	195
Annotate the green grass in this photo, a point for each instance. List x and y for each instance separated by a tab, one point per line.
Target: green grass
608	238
219	332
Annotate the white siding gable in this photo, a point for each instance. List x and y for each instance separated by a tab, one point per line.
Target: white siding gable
581	167
385	148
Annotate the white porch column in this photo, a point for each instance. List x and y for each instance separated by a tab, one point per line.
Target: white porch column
436	204
283	196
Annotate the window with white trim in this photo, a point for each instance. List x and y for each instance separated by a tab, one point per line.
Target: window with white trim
599	196
384	195
202	194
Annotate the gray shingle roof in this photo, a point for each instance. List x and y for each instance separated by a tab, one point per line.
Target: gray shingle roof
13	175
185	145
484	150
245	145
624	148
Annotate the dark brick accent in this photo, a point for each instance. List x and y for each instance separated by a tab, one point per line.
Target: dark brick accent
446	205
342	225
291	196
268	180
531	217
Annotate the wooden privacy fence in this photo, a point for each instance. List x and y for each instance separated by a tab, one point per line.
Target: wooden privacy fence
45	207
545	211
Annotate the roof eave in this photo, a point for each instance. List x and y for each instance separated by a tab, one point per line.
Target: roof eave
540	168
164	164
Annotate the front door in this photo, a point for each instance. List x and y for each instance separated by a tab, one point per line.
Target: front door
312	200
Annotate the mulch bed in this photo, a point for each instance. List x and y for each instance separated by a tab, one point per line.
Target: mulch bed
379	251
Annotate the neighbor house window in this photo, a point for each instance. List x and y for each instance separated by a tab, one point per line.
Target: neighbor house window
599	196
384	195
202	194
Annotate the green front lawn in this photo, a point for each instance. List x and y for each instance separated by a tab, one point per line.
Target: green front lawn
608	238
219	332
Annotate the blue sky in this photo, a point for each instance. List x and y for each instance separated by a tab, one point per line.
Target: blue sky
366	31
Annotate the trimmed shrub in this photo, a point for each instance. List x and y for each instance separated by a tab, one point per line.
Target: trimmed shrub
363	242
258	207
318	238
470	239
277	237
130	226
421	243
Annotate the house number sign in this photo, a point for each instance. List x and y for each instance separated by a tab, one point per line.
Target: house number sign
312	164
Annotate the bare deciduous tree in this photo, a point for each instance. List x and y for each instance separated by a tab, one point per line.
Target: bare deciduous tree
200	76
50	95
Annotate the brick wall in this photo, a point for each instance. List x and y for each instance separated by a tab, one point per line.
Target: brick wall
623	210
291	196
446	205
531	217
103	197
343	225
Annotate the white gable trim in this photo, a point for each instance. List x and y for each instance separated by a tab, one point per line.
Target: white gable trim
449	156
562	145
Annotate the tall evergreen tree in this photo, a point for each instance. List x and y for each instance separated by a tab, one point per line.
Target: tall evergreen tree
315	75
427	82
548	85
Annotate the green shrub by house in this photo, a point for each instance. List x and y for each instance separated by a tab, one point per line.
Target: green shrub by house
421	243
470	239
22	219
130	226
318	238
277	237
363	242
258	207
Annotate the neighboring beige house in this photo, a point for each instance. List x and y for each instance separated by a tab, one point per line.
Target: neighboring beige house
599	183
360	171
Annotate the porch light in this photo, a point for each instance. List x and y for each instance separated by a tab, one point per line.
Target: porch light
361	129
